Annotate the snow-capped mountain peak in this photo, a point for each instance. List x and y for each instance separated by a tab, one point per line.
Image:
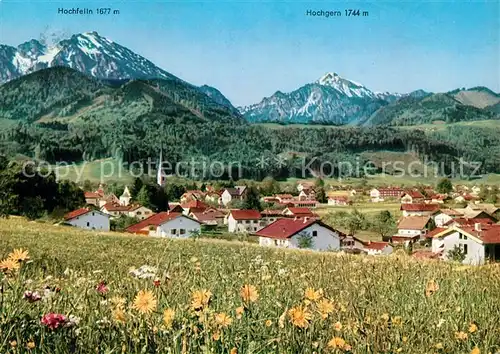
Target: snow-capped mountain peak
347	87
87	52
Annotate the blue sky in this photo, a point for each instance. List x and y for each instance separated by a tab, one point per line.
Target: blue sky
251	49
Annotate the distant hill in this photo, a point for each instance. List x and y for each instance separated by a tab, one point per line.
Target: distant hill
451	107
72	96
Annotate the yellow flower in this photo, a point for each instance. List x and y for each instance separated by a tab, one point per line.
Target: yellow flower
233	351
404	339
19	255
239	312
438	346
472	328
216	336
336	343
431	288
200	299
299	317
13	344
475	351
249	293
117	301
325	307
397	321
30	345
145	301
9	265
385	317
168	318
269	323
461	335
337	326
118	315
223	320
311	294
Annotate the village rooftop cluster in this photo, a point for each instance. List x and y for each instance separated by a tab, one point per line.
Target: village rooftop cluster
427	227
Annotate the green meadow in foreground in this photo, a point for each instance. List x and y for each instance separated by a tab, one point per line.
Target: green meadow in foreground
85	292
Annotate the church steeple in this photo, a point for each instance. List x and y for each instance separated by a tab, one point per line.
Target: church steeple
160	178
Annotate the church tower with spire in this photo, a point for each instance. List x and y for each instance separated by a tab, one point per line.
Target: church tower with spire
160	178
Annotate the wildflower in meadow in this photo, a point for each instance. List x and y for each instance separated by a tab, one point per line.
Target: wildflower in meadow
119	315
156	283
337	343
233	351
397	321
117	301
472	328
19	255
461	335
223	320
313	295
13	343
216	336
438	346
9	265
102	288
54	320
431	287
299	316
144	302
200	299
475	351
30	345
325	307
337	326
32	296
73	321
269	323
168	318
239	312
249	293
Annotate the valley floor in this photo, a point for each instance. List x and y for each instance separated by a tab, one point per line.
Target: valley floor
295	301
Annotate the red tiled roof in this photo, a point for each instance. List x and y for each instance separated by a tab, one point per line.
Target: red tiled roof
285	228
246	214
92	195
488	234
436	231
195	204
299	211
414	194
76	213
283	196
419	207
115	207
469	222
339	198
154	220
375	245
413	222
204	216
451	212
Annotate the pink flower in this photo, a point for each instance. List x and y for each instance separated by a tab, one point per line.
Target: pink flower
54	320
32	296
156	282
102	288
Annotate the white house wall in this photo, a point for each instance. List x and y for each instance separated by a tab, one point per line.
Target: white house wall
91	221
172	228
475	251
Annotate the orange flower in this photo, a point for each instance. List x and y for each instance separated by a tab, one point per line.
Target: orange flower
200	299
168	318
431	288
223	320
19	255
145	301
475	351
311	294
239	312
9	265
337	326
299	316
269	323
336	343
461	335
249	293
472	328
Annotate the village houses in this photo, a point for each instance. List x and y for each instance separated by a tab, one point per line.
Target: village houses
87	218
382	194
287	233
246	221
479	243
231	194
167	224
